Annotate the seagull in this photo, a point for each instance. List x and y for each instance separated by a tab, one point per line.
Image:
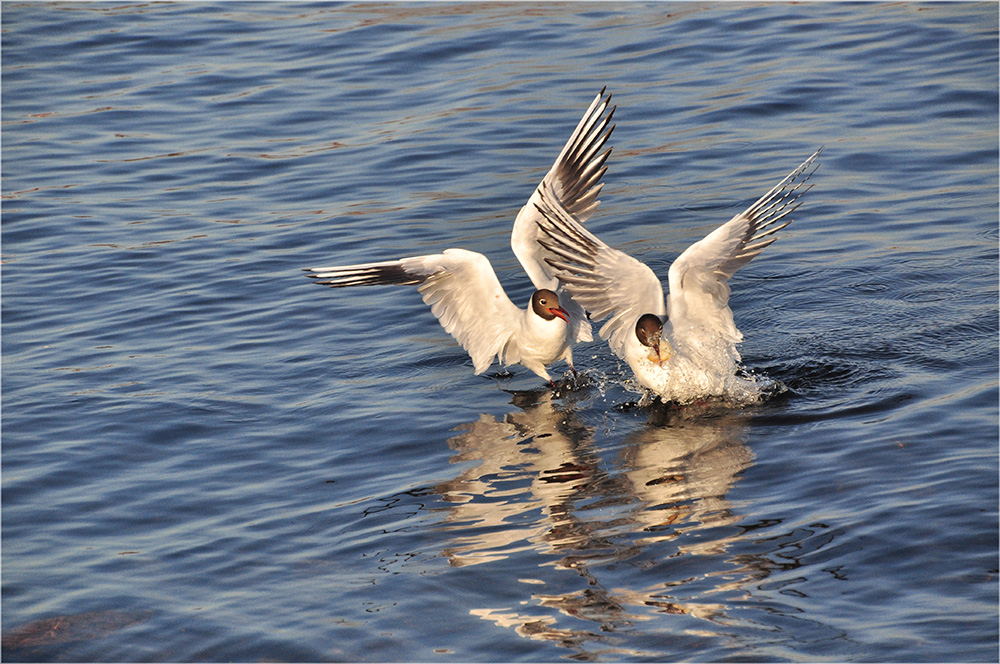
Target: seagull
681	348
464	292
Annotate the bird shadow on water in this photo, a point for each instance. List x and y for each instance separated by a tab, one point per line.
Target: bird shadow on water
629	526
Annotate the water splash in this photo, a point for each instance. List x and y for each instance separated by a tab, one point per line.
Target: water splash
740	389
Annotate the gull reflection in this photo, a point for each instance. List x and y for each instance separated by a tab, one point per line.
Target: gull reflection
529	468
538	482
681	467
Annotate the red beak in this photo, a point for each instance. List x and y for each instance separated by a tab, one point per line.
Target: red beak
559	311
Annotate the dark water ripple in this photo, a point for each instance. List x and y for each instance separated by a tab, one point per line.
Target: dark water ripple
206	458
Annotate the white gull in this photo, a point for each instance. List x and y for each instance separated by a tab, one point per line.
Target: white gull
462	288
681	348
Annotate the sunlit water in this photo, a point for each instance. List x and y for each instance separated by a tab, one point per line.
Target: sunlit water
207	458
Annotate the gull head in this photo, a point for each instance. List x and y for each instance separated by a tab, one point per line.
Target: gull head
649	331
545	303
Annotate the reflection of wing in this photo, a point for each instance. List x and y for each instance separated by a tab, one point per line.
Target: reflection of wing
539	487
461	288
683	468
698	303
674	477
606	281
574	182
528	465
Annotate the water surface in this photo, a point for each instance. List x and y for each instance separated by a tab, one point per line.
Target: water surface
205	458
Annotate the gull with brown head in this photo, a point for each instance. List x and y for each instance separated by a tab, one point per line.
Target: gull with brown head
463	291
682	347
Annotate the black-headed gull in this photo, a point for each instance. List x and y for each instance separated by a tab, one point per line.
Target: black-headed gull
682	348
463	290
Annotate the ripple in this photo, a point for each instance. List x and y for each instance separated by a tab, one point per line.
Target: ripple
182	411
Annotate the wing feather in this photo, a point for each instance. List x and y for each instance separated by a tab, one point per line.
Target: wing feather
574	181
607	282
459	286
698	304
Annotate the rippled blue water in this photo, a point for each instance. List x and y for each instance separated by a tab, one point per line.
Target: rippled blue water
207	458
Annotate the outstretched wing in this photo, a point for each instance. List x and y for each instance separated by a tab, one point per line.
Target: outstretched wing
574	182
698	302
606	281
460	287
